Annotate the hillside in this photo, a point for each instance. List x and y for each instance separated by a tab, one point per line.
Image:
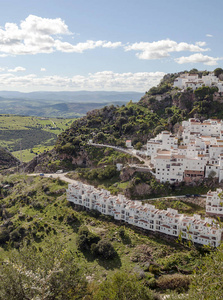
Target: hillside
7	160
51	248
32	135
161	108
41	233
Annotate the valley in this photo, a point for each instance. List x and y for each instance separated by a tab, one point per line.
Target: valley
25	137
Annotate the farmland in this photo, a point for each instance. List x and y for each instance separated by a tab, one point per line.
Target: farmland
27	136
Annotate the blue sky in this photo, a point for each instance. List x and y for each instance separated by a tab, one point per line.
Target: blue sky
105	45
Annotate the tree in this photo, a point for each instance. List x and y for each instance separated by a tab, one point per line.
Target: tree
218	71
138	146
86	238
104	248
193	71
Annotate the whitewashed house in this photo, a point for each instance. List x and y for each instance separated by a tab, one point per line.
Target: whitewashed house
214	203
198	156
170	222
193	81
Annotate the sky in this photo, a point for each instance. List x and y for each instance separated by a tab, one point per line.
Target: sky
99	45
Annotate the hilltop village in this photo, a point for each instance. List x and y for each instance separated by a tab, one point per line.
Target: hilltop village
192	155
193	81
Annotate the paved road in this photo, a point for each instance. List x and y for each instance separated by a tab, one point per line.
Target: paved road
63	177
128	151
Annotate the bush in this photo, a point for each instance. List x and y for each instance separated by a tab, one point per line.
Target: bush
4	235
104	248
86	238
122	287
121	232
154	269
176	282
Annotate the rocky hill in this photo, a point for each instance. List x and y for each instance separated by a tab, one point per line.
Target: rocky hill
161	108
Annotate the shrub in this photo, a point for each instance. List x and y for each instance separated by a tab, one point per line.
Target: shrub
4	235
173	282
104	248
121	232
15	235
154	269
86	238
120	286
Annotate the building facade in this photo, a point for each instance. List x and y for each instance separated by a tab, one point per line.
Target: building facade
170	222
214	203
192	156
194	82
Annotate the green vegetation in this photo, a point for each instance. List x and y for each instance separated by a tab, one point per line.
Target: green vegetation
7	160
53	250
32	135
181	205
218	72
162	108
44	239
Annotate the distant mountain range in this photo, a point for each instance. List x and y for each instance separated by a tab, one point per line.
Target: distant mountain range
61	104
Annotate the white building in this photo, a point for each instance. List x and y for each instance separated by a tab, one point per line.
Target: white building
163	141
199	155
170	222
192	81
214	203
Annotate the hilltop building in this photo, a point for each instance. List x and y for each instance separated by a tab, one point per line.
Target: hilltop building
193	81
170	222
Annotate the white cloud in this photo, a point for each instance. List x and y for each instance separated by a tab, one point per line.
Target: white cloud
209	35
44	26
163	48
2	69
105	80
201	44
198	58
42	35
43	70
17	69
81	47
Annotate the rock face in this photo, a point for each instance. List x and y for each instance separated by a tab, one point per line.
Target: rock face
7	160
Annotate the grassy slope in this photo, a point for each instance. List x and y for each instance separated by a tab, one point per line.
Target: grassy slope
30	132
36	209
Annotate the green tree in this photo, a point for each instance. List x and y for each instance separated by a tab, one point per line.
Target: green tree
104	248
218	71
138	146
86	238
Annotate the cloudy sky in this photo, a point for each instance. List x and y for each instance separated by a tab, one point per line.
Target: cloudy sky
119	45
